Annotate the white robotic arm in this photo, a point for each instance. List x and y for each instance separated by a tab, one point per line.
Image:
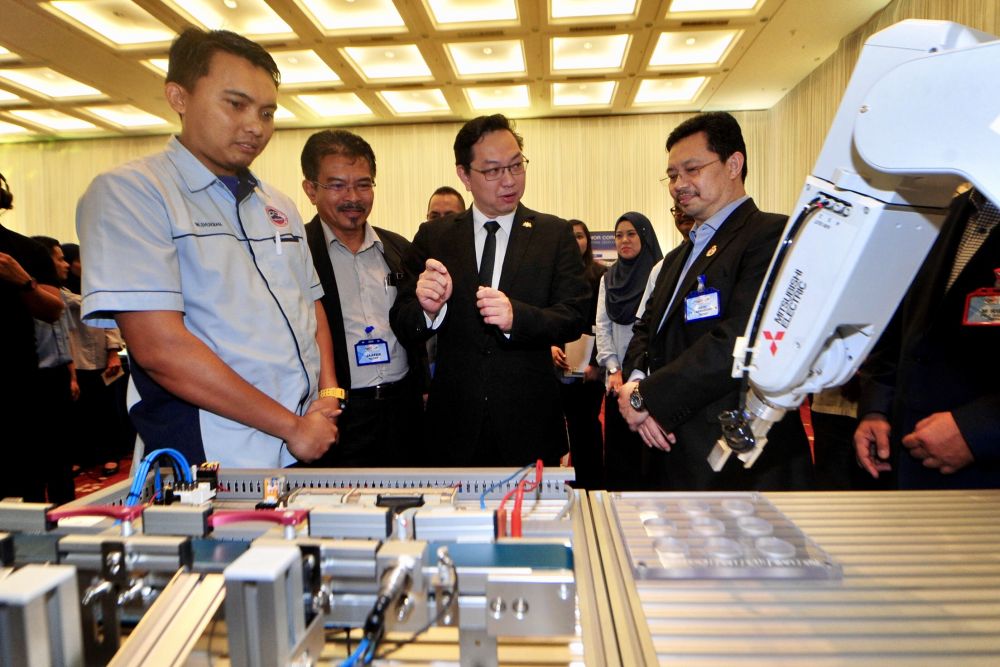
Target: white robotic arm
919	117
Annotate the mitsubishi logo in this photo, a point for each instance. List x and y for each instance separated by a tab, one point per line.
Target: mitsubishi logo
774	338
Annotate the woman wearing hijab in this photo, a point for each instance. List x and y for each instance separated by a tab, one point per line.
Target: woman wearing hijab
619	305
581	396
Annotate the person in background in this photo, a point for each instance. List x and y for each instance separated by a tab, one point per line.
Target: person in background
57	390
359	266
930	391
445	201
582	396
99	373
619	305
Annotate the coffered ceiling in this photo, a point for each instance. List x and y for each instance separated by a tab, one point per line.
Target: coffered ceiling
77	68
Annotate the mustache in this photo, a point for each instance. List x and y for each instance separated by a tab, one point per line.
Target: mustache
351	206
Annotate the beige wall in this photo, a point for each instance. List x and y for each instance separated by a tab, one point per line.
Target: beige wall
588	168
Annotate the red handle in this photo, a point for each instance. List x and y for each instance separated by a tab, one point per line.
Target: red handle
282	517
120	512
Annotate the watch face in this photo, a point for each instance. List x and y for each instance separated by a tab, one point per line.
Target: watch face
635	400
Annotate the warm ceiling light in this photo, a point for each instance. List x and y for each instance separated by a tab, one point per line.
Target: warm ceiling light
669	91
457	13
498	97
11	128
126	115
687	6
403	102
707	47
253	18
303	68
117	22
335	18
378	63
53	120
478	58
589	53
49	83
281	113
591	93
9	98
330	105
158	65
571	9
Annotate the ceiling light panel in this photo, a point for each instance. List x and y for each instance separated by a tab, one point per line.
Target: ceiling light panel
9	98
53	120
126	115
334	105
158	65
344	17
677	49
403	102
591	54
383	63
692	6
281	113
120	23
12	129
498	97
669	91
48	83
251	18
584	9
303	68
463	13
7	57
589	94
486	58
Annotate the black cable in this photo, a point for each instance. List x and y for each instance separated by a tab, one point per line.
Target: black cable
400	643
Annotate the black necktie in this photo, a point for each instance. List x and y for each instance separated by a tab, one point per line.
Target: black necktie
489	252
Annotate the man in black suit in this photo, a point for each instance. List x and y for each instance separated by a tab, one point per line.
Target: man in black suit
359	266
931	387
498	285
680	359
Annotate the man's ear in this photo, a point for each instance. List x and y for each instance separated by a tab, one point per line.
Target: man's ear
463	176
177	97
310	189
734	164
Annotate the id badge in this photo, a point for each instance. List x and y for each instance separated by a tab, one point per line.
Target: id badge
702	304
371	352
982	308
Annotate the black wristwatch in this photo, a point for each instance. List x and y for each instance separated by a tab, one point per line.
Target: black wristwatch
635	399
29	285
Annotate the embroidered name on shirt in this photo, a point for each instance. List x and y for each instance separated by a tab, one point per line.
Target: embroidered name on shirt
207	224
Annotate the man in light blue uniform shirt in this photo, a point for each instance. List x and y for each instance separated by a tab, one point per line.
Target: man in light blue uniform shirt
205	270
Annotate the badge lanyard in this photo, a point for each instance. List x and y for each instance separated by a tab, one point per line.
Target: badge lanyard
982	306
371	351
703	303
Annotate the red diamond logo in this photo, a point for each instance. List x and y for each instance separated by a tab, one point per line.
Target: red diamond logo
774	338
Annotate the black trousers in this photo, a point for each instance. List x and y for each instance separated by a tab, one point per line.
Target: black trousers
581	403
622	451
382	432
54	439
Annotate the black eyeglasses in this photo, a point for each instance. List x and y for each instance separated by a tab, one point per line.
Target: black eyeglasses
495	173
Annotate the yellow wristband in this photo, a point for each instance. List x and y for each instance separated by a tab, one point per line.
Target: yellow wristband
333	392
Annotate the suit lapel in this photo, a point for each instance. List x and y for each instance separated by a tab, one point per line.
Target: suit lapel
517	244
464	237
715	248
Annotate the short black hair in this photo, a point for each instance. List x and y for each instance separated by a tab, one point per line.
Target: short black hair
191	54
447	190
722	133
474	130
47	241
334	142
